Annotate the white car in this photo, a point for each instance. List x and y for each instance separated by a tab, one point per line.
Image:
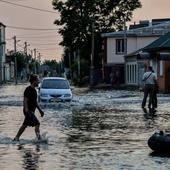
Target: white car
55	89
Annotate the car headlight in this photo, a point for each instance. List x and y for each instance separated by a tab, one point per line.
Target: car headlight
67	95
43	95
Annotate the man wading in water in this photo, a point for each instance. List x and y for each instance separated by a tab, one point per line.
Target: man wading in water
150	79
30	104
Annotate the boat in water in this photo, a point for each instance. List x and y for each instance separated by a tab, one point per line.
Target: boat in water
160	142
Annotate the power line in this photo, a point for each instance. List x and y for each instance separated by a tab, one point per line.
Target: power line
46	49
38	9
45	44
40	37
36	33
31	29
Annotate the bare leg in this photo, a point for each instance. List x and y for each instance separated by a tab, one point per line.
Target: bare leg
37	132
20	131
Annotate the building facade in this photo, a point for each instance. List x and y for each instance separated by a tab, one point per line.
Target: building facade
2	52
118	45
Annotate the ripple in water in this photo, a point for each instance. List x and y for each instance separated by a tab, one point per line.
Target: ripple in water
83	135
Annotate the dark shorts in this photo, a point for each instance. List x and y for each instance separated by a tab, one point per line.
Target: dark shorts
31	120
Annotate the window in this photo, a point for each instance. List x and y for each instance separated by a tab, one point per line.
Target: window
120	46
131	73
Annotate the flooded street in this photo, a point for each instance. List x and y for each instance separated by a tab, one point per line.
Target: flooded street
100	130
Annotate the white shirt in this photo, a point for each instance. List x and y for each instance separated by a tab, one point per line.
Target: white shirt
149	77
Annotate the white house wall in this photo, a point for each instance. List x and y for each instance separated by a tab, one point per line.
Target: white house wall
111	52
133	44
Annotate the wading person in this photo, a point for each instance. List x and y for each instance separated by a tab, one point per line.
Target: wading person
30	104
150	79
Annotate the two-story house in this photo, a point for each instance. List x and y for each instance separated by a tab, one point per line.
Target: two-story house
130	70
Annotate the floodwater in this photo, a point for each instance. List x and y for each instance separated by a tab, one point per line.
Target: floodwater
100	130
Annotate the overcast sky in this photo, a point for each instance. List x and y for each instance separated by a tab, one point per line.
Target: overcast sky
46	39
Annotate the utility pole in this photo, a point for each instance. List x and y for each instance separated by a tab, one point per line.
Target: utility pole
70	63
103	59
125	50
35	60
15	51
78	67
92	55
25	51
31	54
39	61
61	65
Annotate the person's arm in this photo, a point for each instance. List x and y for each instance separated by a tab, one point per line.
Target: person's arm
143	78
27	112
25	104
41	112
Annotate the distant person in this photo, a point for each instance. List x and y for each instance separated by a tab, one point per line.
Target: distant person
117	77
28	75
150	79
112	77
22	77
30	104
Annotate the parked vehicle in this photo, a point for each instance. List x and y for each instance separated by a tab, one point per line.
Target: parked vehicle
55	89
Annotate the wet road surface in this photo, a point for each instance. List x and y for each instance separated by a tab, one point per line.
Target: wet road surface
98	130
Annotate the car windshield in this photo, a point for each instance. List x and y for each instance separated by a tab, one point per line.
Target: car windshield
55	84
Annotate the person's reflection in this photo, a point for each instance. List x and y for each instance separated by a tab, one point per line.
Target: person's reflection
30	157
149	114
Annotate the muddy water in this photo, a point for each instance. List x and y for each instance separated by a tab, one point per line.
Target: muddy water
98	130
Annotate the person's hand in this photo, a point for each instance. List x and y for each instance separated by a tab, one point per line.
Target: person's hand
41	113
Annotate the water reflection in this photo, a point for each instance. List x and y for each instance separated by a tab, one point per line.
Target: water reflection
155	154
82	136
30	156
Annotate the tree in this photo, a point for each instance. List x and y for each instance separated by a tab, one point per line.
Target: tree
76	21
53	66
21	59
84	71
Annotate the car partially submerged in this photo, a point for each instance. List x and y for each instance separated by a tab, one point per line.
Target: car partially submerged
55	89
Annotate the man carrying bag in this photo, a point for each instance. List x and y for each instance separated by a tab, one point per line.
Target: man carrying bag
150	79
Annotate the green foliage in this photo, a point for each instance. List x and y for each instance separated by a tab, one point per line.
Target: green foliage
76	21
31	66
83	78
21	59
53	67
52	64
84	68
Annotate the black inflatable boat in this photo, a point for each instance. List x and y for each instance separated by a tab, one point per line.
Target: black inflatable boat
160	142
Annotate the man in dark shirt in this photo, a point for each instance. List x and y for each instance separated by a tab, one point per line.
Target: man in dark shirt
30	104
